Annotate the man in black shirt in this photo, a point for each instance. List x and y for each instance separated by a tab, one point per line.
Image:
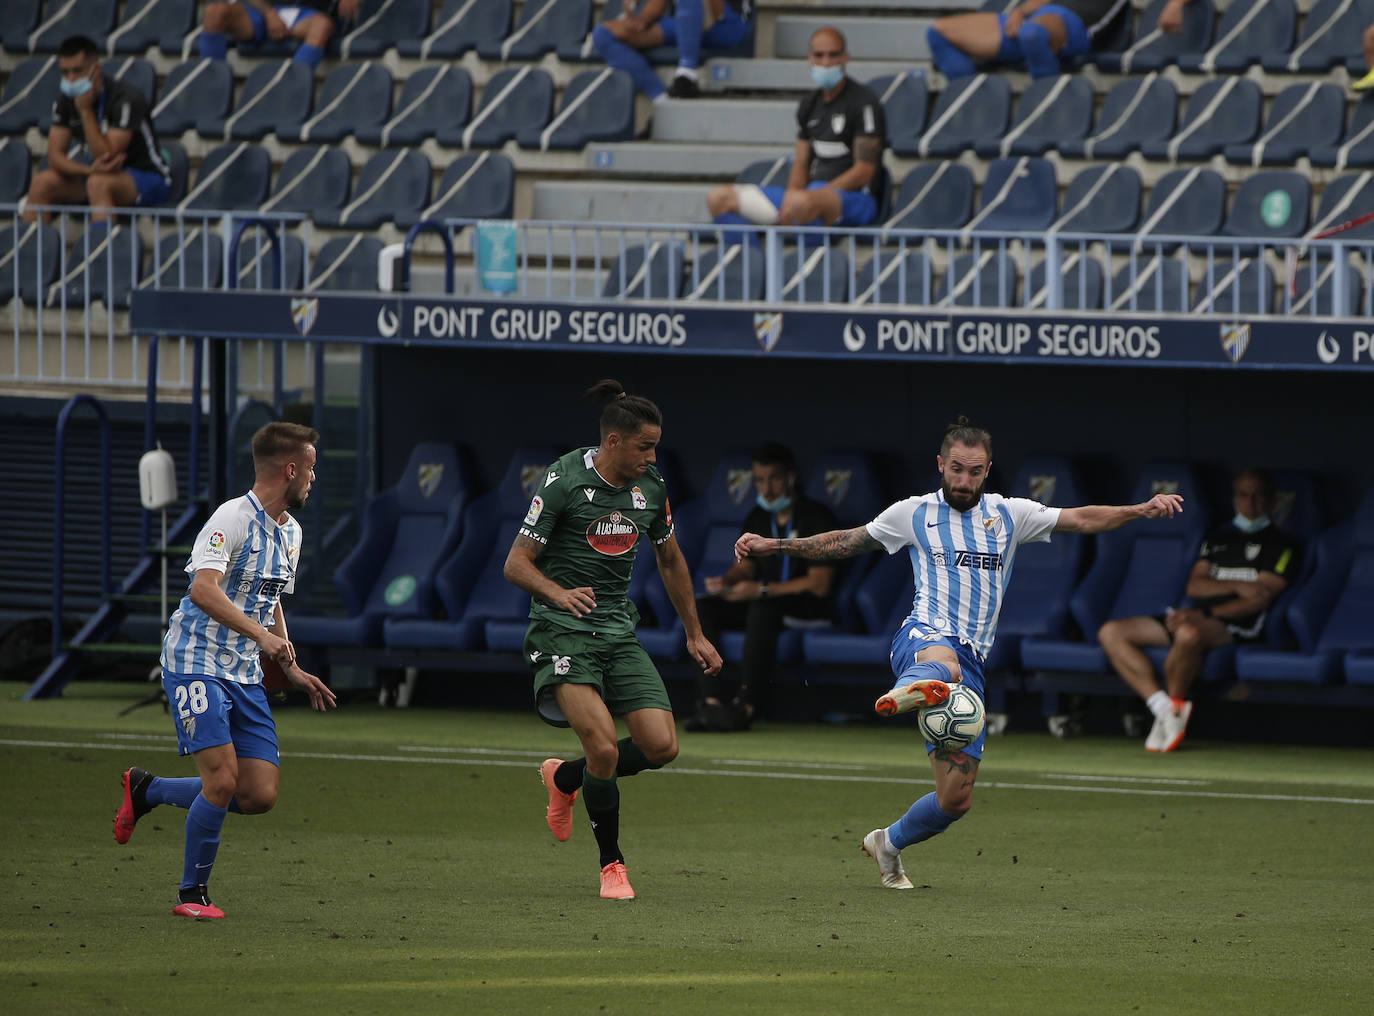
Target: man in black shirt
253	22
757	594
1040	32
1241	569
101	147
841	132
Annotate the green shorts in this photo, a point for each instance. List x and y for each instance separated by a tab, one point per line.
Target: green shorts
616	664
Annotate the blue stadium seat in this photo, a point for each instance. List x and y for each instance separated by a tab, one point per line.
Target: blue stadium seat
1235	287
178	162
381	24
582	49
1154	49
1018	194
767	172
432	99
352	97
815	274
1347	197
460	26
133	71
515	99
1321	297
1189	202
1272	205
1082	275
14	169
1330	35
232	176
148	23
1356	148
543	25
194	92
1139	569
847	483
407	531
17	21
1050	111
968	110
1223	111
391	182
985	279
1249	31
91	18
597	106
1101	199
1302	117
39	256
891	277
28	96
1136	110
347	263
935	195
905	100
470	584
1151	284
732	272
311	180
102	265
657	277
257	266
193	259
275	98
478	185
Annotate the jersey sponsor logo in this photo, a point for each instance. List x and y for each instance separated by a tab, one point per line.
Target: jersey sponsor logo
613	535
638	499
562	664
536	509
429	476
272	587
978	560
216	540
550	478
590	492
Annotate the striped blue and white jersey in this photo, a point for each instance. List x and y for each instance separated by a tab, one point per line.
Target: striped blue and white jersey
258	559
962	561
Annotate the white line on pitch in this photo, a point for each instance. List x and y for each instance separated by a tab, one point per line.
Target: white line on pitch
792	765
1125	779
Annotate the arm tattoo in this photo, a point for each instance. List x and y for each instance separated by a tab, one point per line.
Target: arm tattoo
525	543
832	546
868	149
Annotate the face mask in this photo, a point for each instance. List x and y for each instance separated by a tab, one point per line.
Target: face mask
826	77
773	507
1249	525
72	89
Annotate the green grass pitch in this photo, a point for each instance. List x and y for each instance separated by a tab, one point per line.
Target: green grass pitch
407	869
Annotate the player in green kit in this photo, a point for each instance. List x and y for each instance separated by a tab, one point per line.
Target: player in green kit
573	555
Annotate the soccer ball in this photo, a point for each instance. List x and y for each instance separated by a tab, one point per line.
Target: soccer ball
956	722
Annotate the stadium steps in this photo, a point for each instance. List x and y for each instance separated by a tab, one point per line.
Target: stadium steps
662	159
878	38
741	74
737	121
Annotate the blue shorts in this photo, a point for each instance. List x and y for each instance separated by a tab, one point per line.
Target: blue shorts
153	188
912	637
290	15
1077	44
208	711
728	31
857	208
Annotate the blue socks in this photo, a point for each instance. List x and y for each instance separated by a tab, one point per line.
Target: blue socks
923	820
179	793
691	14
214	45
308	55
1041	60
203	824
928	671
952	61
626	58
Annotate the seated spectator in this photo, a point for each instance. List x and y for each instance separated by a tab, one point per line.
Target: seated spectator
255	21
757	594
101	146
841	132
719	24
1367	81
1038	31
1241	569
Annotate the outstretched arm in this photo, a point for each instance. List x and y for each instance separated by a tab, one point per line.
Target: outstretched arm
831	546
1103	518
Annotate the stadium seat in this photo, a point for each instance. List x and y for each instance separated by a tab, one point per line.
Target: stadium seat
1153	49
17	21
1344	199
935	195
1050	111
1271	205
815	274
175	154
391	182
1249	31
1149	285
905	100
257	265
1082	283
515	99
732	272
193	259
1223	111
882	600
847	483
767	172
657	277
1235	287
1356	148
28	96
1187	202
347	263
352	97
1301	117
1101	199
232	177
460	26
1330	35
381	24
543	25
14	169
102	265
39	255
275	98
311	180
195	92
1018	194
1136	110
133	71
1138	569
891	277
470	583
984	279
432	99
478	185
597	106
91	18
148	23
968	110
1321	298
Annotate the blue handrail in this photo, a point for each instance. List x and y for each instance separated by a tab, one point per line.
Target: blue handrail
60	509
433	226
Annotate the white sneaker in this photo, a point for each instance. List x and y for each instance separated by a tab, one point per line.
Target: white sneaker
877	846
1175	722
1154	740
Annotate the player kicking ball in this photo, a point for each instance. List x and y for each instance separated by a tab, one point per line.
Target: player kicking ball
962	542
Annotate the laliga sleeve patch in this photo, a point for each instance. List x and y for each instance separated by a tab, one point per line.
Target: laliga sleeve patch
536	509
217	540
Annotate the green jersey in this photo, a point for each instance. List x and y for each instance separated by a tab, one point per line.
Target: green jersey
591	532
